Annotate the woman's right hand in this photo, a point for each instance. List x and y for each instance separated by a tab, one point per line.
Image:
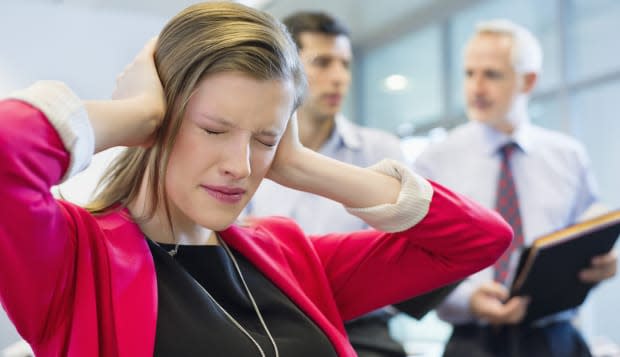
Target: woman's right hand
139	82
137	107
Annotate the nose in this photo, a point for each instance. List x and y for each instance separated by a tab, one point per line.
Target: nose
340	73
236	158
476	84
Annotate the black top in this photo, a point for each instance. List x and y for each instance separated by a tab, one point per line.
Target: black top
190	324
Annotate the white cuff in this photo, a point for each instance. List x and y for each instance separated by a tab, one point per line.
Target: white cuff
411	206
66	112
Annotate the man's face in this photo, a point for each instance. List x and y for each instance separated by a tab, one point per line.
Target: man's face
491	84
326	61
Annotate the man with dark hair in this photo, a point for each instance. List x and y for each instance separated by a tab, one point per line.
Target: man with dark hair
325	50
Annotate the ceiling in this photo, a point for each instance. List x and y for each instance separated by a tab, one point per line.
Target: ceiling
371	22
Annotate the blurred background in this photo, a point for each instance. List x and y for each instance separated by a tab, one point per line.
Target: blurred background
407	80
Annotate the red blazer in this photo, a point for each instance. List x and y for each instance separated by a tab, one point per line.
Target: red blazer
75	284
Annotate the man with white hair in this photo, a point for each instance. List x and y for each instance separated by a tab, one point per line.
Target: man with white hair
539	180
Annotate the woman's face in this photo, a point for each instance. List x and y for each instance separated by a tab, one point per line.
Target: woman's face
225	146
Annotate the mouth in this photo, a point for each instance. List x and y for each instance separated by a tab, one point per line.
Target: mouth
480	104
225	194
333	99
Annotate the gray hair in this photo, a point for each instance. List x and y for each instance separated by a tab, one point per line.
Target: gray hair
526	52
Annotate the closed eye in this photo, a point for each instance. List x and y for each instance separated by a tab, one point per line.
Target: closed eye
213	132
268	144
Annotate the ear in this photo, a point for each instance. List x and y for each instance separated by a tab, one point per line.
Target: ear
529	82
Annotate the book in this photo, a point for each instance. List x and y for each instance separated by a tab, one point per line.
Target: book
548	270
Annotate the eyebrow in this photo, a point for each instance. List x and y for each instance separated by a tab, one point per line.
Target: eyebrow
222	121
329	56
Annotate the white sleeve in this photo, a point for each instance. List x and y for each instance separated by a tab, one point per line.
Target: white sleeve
67	114
411	206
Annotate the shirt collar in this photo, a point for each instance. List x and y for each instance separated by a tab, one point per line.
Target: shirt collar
345	133
493	140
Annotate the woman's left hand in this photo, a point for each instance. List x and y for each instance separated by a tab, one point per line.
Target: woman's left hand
298	167
289	154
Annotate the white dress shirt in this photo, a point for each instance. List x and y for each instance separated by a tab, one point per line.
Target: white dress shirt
553	179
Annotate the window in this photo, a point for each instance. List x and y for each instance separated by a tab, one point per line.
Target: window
402	81
593	48
597	126
548	113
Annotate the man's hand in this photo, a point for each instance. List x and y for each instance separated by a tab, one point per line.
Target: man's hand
602	267
489	303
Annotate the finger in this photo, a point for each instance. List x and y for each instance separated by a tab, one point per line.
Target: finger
608	265
149	48
490	309
152	43
595	275
485	306
517	302
517	316
496	290
515	310
605	259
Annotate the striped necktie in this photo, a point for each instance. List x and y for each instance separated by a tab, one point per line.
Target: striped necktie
507	204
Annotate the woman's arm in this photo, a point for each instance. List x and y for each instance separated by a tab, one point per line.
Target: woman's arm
47	134
438	237
369	269
373	194
348	184
37	244
305	170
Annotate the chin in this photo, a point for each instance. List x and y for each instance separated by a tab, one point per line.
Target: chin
328	114
219	226
217	222
476	116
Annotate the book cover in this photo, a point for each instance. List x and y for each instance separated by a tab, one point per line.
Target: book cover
548	270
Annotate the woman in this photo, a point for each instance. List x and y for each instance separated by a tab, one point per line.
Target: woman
155	264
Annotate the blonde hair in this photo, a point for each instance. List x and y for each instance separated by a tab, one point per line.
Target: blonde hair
203	39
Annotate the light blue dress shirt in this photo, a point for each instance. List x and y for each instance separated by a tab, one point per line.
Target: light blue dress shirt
316	215
552	175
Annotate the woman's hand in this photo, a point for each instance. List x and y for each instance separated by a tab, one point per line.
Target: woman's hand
300	168
289	154
140	83
139	79
137	107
